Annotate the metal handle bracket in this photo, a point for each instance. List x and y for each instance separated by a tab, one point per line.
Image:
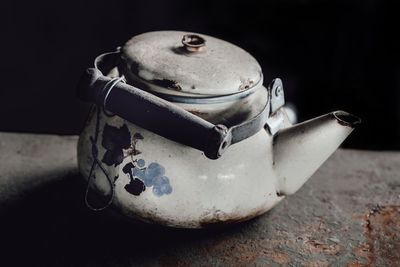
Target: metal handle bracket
275	122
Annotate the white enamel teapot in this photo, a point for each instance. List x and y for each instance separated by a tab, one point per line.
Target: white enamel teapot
183	133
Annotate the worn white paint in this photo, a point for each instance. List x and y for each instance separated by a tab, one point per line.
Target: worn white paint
251	176
241	184
221	68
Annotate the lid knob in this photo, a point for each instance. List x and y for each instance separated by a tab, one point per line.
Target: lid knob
193	42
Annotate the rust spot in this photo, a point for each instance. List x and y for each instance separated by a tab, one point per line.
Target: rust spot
278	257
316	246
362	251
245	84
315	264
236	252
167	84
355	264
239	251
382	234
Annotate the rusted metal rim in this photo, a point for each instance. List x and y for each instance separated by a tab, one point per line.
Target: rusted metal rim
209	99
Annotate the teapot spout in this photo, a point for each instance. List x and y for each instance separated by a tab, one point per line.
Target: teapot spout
301	149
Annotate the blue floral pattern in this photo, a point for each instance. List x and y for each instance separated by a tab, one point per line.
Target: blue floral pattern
151	176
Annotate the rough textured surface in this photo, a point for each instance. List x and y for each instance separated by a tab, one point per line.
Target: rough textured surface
348	214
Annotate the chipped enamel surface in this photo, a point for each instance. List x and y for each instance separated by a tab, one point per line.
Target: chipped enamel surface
203	190
183	188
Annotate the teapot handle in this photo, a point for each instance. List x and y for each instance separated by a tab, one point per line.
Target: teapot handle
167	119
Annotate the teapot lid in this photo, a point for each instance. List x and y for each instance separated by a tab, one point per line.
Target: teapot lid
188	64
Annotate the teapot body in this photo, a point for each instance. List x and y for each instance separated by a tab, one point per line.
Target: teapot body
188	136
161	181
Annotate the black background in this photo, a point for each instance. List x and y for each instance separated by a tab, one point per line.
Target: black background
330	55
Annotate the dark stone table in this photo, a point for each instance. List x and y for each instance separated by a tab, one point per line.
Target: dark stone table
348	214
